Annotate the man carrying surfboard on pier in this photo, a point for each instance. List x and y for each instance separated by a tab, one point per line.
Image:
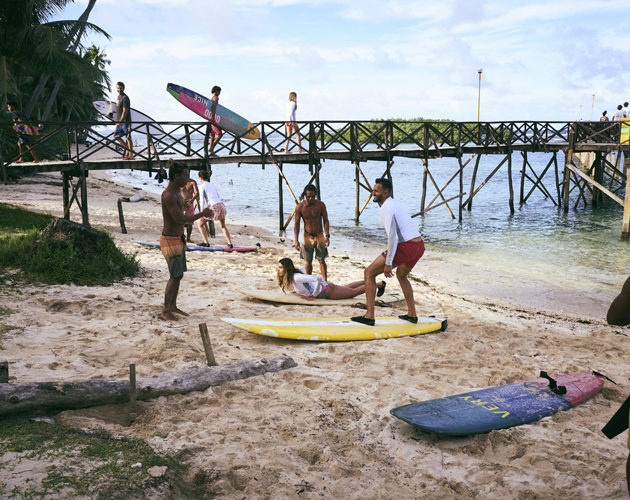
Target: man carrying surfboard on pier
215	132
172	240
123	126
404	248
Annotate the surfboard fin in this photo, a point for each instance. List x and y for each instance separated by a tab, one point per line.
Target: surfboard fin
602	375
553	386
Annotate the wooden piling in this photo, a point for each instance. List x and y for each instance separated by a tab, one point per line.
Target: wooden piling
356	193
4	372
66	195
132	383
207	346
280	199
472	182
567	172
121	217
511	187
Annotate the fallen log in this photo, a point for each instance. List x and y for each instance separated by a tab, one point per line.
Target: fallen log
43	396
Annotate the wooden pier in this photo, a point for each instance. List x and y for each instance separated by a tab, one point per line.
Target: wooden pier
76	148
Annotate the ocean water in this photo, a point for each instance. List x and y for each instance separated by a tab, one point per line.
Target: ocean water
538	256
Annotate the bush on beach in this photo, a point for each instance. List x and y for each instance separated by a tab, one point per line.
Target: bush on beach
63	253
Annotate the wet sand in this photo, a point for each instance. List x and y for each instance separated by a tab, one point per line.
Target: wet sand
323	429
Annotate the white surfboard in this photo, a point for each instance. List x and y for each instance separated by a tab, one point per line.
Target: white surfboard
279	297
109	109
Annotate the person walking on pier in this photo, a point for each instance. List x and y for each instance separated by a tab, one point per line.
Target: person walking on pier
618	114
604	118
215	132
209	195
291	123
626	111
24	131
172	241
316	230
190	194
123	125
405	247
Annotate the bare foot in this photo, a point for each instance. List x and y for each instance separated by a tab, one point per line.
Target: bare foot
167	316
179	311
19	161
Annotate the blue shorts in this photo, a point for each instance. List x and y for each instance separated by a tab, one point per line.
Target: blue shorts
122	130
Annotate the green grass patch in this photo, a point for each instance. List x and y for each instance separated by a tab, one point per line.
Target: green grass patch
25	247
77	463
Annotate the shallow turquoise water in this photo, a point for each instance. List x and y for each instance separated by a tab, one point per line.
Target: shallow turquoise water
580	251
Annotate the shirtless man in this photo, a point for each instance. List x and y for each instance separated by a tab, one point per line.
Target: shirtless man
172	241
619	310
190	194
316	230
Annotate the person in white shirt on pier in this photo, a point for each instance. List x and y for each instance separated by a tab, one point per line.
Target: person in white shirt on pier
618	114
405	247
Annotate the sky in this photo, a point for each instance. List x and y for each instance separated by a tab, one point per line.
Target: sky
359	60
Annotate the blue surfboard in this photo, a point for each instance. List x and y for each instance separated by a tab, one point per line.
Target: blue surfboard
501	407
199	248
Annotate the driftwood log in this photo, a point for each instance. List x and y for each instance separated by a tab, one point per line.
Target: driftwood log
43	396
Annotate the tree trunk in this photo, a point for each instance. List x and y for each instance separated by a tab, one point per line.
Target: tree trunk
75	36
42	396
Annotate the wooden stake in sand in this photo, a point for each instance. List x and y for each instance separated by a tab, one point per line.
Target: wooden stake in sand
4	372
207	346
132	383
121	217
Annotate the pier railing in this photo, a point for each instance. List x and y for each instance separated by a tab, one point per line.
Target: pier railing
65	144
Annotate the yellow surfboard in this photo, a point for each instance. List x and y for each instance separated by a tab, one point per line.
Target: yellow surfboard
336	329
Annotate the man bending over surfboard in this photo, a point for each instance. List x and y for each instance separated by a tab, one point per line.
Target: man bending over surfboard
172	240
404	249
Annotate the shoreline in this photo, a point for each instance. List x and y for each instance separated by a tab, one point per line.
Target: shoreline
322	427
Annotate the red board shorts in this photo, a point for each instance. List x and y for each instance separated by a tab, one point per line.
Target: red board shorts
174	251
407	253
314	244
215	131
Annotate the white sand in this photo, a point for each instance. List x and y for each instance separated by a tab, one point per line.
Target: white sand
322	429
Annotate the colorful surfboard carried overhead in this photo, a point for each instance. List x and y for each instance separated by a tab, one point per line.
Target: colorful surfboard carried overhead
502	406
223	117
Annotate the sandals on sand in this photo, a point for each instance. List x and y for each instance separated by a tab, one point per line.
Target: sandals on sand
381	289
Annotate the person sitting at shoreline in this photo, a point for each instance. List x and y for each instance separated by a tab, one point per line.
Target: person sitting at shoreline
313	287
619	310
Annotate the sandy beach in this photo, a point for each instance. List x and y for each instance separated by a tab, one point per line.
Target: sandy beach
323	429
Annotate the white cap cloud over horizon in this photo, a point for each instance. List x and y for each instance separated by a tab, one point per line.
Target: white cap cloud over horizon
396	58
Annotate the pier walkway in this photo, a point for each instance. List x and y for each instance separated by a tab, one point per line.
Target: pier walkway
76	148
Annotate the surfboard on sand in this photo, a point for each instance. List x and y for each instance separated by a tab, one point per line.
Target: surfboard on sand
336	329
279	297
223	117
502	406
109	109
199	248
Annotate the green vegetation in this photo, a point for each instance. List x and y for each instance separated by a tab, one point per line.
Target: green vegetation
418	130
77	463
46	68
63	260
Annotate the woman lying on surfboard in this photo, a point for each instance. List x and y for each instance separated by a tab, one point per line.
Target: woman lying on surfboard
313	287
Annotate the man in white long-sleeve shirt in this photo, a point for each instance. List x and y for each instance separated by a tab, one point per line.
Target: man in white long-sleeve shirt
404	249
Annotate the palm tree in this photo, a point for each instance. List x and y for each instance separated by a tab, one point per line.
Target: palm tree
36	55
